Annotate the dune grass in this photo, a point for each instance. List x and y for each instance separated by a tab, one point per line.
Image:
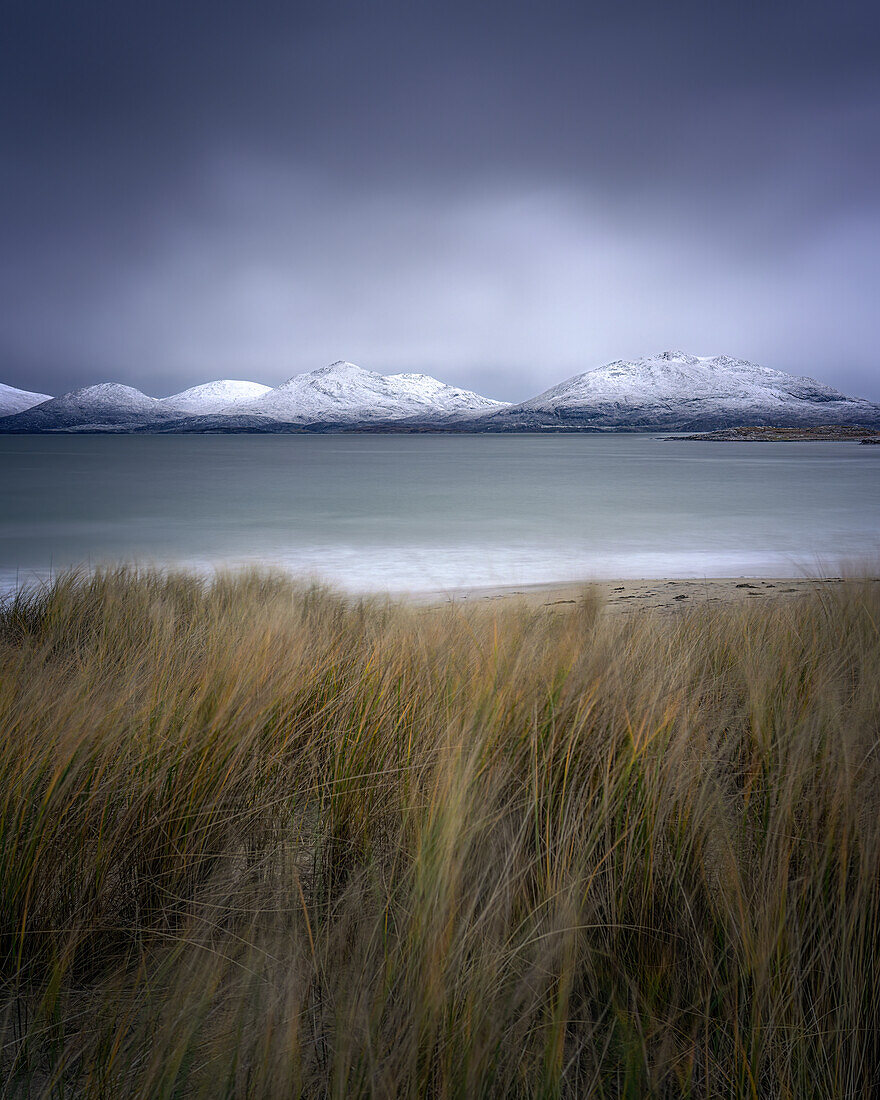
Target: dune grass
258	841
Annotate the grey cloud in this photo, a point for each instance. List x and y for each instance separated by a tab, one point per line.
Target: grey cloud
501	195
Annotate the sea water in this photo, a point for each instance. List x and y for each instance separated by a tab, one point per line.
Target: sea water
434	512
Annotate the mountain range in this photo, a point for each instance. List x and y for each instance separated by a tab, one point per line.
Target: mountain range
672	391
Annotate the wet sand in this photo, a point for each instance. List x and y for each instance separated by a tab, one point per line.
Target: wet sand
628	596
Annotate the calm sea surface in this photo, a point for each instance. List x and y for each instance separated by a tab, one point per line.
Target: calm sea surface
433	512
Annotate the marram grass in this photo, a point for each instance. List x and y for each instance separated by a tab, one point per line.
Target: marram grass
258	841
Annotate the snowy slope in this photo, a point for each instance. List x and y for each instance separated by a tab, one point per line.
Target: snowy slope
346	393
211	397
446	399
16	401
676	390
108	404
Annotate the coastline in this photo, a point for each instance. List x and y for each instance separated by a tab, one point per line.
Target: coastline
628	595
824	433
617	596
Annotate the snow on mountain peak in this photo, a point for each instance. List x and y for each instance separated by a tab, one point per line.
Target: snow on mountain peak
449	398
677	376
104	404
211	397
345	392
106	395
674	388
669	356
340	369
14	401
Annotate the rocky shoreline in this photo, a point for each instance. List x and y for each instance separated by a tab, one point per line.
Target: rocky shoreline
826	433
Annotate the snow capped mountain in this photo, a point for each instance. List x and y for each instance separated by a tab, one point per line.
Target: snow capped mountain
211	397
15	401
108	404
673	376
674	390
345	393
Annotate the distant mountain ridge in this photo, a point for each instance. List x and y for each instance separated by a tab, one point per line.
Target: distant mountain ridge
342	394
672	391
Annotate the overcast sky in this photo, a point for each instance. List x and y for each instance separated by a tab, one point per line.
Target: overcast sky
500	194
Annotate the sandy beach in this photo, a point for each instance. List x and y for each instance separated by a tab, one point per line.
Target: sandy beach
628	596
